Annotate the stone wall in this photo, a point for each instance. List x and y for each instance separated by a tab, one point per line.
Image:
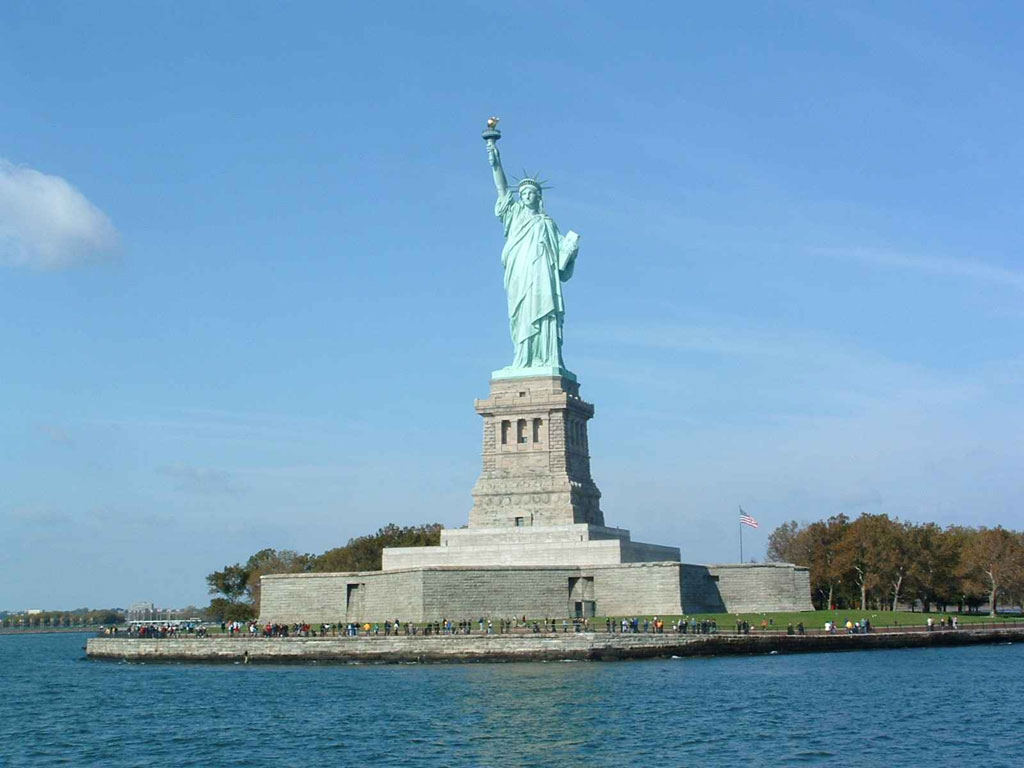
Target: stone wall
628	589
554	554
556	546
335	597
581	646
536	462
427	594
638	589
700	591
763	587
295	597
458	593
639	552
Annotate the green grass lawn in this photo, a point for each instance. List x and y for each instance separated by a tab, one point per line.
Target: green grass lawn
779	621
817	619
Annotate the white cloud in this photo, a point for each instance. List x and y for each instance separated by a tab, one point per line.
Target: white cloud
45	223
935	265
795	425
38	516
201	480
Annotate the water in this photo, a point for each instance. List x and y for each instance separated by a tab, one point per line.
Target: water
944	706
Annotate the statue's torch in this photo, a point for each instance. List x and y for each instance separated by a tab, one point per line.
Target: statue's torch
491	134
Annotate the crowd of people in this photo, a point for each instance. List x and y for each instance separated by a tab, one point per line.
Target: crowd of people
157	629
482	625
852	627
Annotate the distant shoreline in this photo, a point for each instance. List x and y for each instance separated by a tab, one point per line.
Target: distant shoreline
581	646
48	630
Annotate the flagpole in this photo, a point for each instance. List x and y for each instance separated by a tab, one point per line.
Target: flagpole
741	536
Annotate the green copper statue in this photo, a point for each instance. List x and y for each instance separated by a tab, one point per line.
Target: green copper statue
536	260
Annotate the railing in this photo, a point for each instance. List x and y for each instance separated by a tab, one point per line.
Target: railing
336	632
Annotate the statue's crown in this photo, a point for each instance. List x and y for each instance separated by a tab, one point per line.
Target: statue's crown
532	181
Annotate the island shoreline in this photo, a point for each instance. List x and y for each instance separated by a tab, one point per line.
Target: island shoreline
582	646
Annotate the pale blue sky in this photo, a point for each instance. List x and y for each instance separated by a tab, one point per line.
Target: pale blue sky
250	278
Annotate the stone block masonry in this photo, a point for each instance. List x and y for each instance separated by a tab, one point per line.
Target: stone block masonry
763	587
624	589
583	646
536	544
536	460
429	594
342	597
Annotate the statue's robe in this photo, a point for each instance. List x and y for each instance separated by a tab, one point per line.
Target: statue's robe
536	261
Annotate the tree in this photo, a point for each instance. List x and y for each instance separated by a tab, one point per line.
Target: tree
822	541
935	557
1015	582
892	556
221	609
268	561
861	552
997	555
230	582
789	544
365	553
238	585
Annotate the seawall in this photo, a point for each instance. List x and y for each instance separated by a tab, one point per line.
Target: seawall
584	646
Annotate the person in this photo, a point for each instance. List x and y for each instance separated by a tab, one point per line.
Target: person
536	259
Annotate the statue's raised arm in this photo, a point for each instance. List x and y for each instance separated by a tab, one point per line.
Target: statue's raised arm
536	259
491	136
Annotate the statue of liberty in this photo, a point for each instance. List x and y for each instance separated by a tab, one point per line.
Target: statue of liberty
537	260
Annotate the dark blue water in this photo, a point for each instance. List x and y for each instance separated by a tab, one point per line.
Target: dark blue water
886	708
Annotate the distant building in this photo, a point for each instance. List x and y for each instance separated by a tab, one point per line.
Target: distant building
141	612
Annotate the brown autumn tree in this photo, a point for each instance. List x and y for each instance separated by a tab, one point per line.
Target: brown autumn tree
789	544
894	557
268	561
1015	583
861	553
238	585
934	565
996	557
822	540
365	552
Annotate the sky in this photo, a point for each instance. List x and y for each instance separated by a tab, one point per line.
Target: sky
250	277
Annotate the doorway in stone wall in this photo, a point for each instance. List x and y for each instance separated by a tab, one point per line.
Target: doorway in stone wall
354	602
584	609
582	604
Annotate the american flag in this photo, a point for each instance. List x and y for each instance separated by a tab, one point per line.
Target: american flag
746	519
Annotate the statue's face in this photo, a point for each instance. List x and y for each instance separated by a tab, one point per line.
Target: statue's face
530	197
